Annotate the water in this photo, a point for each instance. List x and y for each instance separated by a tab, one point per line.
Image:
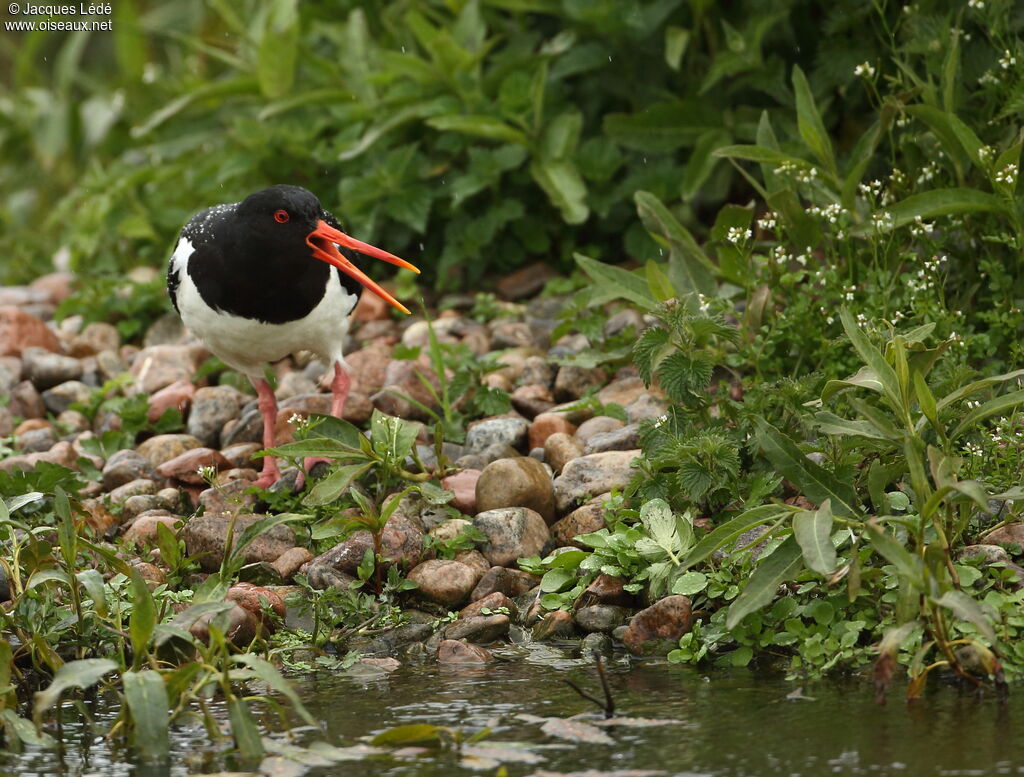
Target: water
735	723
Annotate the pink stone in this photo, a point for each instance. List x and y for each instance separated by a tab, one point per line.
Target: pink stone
463	484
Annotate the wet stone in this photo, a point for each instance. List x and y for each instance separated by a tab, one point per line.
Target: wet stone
510	582
557	624
596	644
64	395
444	582
518	482
657	629
490	604
605	589
452	651
390	640
321	577
601	617
479	628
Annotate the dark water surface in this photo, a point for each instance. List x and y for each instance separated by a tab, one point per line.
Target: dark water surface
732	723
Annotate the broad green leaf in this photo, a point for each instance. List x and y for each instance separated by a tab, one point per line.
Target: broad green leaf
966	608
729	531
562	135
809	123
702	162
689	270
818	483
143	619
874	359
180	623
21	500
782	565
926	400
690	583
564	186
278	48
556	579
255	529
663	127
999	406
957	139
146	698
658	282
244	729
965	391
268	673
480	126
829	423
623	283
676	41
92	581
25	731
216	91
907	564
813	532
937	202
317	446
74	674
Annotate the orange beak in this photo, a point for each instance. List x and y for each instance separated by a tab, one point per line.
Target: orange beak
324	241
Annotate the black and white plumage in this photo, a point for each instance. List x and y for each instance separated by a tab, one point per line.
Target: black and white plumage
260	279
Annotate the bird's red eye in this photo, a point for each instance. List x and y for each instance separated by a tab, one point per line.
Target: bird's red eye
281	216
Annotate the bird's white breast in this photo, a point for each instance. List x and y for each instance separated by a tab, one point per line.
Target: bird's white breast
247	344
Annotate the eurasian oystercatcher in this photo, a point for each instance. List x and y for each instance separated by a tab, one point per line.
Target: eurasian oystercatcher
243	280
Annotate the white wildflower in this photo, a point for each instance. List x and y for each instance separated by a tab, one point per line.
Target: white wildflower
865	70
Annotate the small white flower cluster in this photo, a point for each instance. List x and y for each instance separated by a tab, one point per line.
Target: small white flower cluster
882	220
207	473
920	227
897	178
958	339
1007	176
738	235
974	449
871	188
767	221
848	292
898	316
661	420
1008	60
780	255
801	259
864	70
973	403
862	319
786	168
976	4
988	78
808	175
985	153
704	303
829	213
828	318
927	173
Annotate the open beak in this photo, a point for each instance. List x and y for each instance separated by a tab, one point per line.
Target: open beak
324	241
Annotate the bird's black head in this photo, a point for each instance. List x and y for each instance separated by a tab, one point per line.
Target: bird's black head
288	222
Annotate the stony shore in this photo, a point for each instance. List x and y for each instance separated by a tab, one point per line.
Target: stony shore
530	481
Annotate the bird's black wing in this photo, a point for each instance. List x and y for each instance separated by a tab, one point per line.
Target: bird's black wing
173	281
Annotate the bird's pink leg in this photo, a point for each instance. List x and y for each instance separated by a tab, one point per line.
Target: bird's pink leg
268	409
339	393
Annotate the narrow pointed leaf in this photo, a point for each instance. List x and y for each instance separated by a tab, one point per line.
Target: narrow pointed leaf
760	590
146	697
966	608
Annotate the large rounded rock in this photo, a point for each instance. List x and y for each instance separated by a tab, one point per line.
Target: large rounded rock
62	396
185	466
125	466
509	582
512	533
518	482
444	582
547	424
601	424
212	407
463	485
159	366
591	475
178	396
206	537
561	448
656	630
452	651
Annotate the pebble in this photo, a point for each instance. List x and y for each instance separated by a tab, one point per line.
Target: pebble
226	498
166	447
143	530
445	582
557	624
25	401
606	589
94	338
656	630
206	535
185	466
1004	535
512	533
561	448
125	466
526	281
585	519
518	482
622	391
596	425
402	378
596	644
159	366
601	617
46	369
138	487
212	407
547	424
401	543
510	582
178	396
492	602
502	430
479	629
289	562
625	438
62	396
646	407
591	475
573	382
36	440
463	485
532	399
20	330
452	651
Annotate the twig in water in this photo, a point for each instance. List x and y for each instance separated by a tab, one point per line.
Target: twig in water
608	705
